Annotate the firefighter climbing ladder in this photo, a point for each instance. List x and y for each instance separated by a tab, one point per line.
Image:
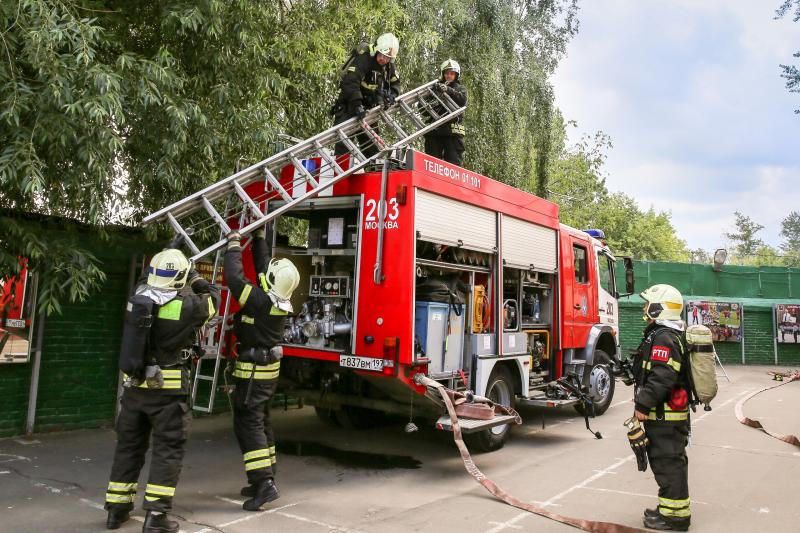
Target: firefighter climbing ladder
413	115
382	133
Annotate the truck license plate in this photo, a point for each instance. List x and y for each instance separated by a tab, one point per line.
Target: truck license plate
361	363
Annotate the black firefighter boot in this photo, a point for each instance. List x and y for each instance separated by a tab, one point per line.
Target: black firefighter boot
116	517
651	512
265	491
159	523
662	523
248	491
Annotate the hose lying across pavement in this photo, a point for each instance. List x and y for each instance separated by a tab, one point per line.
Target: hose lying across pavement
497	492
787	378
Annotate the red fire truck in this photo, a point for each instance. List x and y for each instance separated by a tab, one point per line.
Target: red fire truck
432	269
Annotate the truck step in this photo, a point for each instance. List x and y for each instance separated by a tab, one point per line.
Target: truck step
470	425
542	401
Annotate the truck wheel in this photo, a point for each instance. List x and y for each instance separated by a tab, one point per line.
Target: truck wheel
500	390
327	416
601	384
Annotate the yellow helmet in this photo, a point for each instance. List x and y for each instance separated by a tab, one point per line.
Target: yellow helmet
282	279
663	302
168	270
388	45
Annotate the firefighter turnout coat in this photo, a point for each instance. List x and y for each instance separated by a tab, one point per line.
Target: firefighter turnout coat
662	393
258	326
162	413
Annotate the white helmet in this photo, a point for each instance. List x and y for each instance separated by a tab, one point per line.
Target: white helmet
282	279
451	64
388	45
663	302
168	270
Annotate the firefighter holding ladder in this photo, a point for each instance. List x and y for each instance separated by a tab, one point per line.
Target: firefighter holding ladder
258	326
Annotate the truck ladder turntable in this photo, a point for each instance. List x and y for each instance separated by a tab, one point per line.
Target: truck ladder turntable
382	131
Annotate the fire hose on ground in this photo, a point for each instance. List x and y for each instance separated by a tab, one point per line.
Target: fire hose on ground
784	379
497	492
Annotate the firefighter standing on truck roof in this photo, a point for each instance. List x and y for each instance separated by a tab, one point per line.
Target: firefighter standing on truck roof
369	78
258	326
661	402
184	301
447	141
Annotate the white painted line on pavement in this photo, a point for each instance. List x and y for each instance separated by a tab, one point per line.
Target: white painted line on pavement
596	476
90	503
315	522
650	496
279	511
224	499
613	405
251	516
599	473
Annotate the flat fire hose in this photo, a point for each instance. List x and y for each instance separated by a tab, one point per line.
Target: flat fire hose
497	492
787	378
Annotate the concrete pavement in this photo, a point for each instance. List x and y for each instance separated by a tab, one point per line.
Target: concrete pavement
385	480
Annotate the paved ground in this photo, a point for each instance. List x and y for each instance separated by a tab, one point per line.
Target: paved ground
741	479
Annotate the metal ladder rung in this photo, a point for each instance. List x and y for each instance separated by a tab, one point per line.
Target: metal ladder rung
241	193
204	378
177	227
392	124
328	159
444	100
215	215
276	184
412	115
429	108
303	170
354	151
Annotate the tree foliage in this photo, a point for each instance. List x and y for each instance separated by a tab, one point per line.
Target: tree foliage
577	182
790	72
111	109
743	237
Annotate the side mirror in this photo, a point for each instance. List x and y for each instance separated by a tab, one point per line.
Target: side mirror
630	281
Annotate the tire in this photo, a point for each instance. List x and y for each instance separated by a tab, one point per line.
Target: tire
601	382
326	416
500	390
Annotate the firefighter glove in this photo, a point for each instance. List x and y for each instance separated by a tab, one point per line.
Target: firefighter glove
360	112
234	239
176	242
153	377
440	87
260	233
637	438
390	99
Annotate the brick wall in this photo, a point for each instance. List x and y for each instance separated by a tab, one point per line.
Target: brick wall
78	373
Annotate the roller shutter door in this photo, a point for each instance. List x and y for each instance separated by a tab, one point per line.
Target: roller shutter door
525	244
447	221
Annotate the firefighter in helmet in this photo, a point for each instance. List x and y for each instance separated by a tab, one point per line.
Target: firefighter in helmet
661	403
369	78
447	141
258	326
157	402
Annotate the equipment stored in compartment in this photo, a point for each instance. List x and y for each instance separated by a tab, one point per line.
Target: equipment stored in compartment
440	330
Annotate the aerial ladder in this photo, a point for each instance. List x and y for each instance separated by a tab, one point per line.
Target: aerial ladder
204	216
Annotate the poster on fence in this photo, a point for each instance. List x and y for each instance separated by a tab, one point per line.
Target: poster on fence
724	319
16	313
787	318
